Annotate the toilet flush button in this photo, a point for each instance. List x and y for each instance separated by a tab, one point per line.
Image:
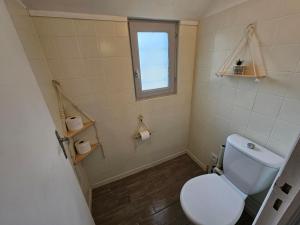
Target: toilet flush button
251	145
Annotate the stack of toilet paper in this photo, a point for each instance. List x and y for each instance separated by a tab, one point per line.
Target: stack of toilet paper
83	146
74	123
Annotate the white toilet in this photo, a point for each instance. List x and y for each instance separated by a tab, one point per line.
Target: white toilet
219	200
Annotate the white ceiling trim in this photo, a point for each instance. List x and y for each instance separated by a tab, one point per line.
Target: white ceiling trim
69	15
189	22
85	16
228	6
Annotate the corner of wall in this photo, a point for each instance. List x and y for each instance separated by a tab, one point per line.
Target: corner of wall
202	165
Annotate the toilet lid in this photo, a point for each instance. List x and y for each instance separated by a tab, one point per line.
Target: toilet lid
210	200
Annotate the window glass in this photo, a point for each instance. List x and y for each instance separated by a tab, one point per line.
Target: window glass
154	59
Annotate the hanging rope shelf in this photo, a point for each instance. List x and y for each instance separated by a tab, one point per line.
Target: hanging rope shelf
246	59
90	122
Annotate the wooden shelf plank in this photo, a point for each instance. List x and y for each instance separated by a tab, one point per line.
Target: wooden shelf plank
80	157
86	125
246	76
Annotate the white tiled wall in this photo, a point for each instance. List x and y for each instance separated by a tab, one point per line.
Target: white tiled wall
267	112
92	61
33	49
35	54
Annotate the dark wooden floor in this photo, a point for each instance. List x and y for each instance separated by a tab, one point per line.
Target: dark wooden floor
150	197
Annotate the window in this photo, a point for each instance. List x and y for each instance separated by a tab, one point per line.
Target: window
154	55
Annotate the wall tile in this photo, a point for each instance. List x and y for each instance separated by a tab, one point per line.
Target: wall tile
246	13
50	47
67	47
282	58
276	83
266	111
41	71
267	104
23	22
224	110
239	119
85	27
289	32
227	93
259	128
31	44
15	8
274	9
94	67
230	81
101	81
115	73
121	29
293	90
56	68
267	31
207	42
283	137
187	31
105	28
216	59
73	68
117	46
248	84
88	47
54	26
75	87
98	85
290	7
204	58
290	111
203	75
245	98
225	39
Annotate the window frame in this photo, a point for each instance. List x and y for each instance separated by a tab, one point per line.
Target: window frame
170	27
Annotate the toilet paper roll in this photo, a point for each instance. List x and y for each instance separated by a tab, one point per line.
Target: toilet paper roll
83	146
74	123
145	135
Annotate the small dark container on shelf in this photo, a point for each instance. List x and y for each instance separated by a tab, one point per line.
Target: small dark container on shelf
239	69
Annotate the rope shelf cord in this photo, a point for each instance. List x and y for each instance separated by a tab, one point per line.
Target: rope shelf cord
256	66
62	112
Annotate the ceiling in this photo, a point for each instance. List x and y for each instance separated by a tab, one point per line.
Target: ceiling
156	9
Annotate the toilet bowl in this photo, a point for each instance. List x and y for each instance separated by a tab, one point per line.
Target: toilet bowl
219	200
210	199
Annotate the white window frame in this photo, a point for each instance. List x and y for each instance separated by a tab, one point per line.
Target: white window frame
170	27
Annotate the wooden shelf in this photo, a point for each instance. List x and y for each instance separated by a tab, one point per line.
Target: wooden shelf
251	65
86	125
80	157
246	76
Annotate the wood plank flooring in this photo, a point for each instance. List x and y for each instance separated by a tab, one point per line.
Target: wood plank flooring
150	197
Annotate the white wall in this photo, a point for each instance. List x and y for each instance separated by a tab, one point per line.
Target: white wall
38	185
268	111
92	60
35	54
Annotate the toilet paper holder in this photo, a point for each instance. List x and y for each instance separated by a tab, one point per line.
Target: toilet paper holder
141	125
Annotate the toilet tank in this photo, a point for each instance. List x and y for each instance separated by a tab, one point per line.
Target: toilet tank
250	170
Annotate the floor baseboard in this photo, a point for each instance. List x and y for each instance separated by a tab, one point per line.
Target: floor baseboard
136	170
196	160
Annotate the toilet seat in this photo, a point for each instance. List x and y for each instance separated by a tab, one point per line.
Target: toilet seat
212	200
